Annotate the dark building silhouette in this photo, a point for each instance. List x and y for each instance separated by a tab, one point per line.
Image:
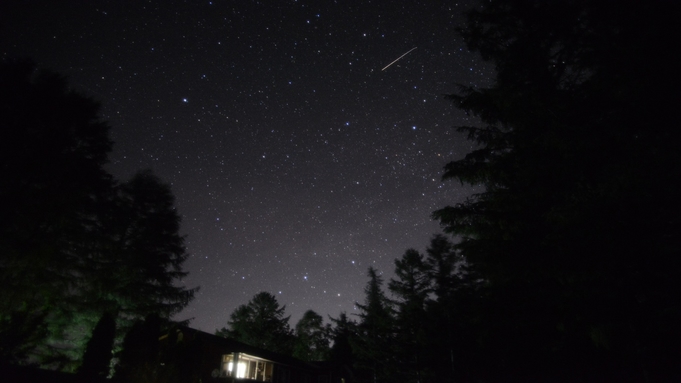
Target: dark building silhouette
217	359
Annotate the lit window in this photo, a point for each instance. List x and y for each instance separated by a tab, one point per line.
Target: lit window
248	367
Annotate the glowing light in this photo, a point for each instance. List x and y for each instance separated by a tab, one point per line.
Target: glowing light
240	370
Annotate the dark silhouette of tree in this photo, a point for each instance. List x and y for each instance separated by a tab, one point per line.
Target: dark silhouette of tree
312	338
138	360
97	357
143	253
453	287
440	265
74	243
136	259
131	265
180	361
374	340
341	355
144	359
411	288
261	323
576	233
52	149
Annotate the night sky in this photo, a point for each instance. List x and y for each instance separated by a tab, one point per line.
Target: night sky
296	162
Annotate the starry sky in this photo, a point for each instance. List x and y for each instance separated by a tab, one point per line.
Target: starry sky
295	160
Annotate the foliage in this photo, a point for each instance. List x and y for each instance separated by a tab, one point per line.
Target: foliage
312	338
19	332
52	149
411	288
448	324
74	243
341	334
575	233
261	323
374	333
143	253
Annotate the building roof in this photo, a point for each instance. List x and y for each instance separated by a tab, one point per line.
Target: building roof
228	345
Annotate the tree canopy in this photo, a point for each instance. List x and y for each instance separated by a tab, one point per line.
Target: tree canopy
410	288
566	266
312	338
574	234
74	242
52	149
374	332
261	323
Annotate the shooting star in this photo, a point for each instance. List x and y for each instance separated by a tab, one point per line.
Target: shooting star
398	59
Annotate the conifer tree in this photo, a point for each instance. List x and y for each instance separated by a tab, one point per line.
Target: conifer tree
342	333
52	151
74	243
143	253
411	288
440	265
373	345
575	233
261	323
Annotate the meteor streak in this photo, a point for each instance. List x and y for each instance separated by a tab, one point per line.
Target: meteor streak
397	59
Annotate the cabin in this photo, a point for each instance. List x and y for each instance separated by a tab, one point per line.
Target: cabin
216	359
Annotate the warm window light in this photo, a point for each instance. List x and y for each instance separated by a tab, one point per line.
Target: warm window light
247	367
241	370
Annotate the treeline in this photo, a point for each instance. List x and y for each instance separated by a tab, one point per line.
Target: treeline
572	253
567	267
408	335
418	329
261	323
77	246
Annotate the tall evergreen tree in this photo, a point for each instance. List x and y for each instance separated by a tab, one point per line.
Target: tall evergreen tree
411	288
74	243
131	266
373	345
440	266
143	253
342	333
261	323
52	150
575	233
